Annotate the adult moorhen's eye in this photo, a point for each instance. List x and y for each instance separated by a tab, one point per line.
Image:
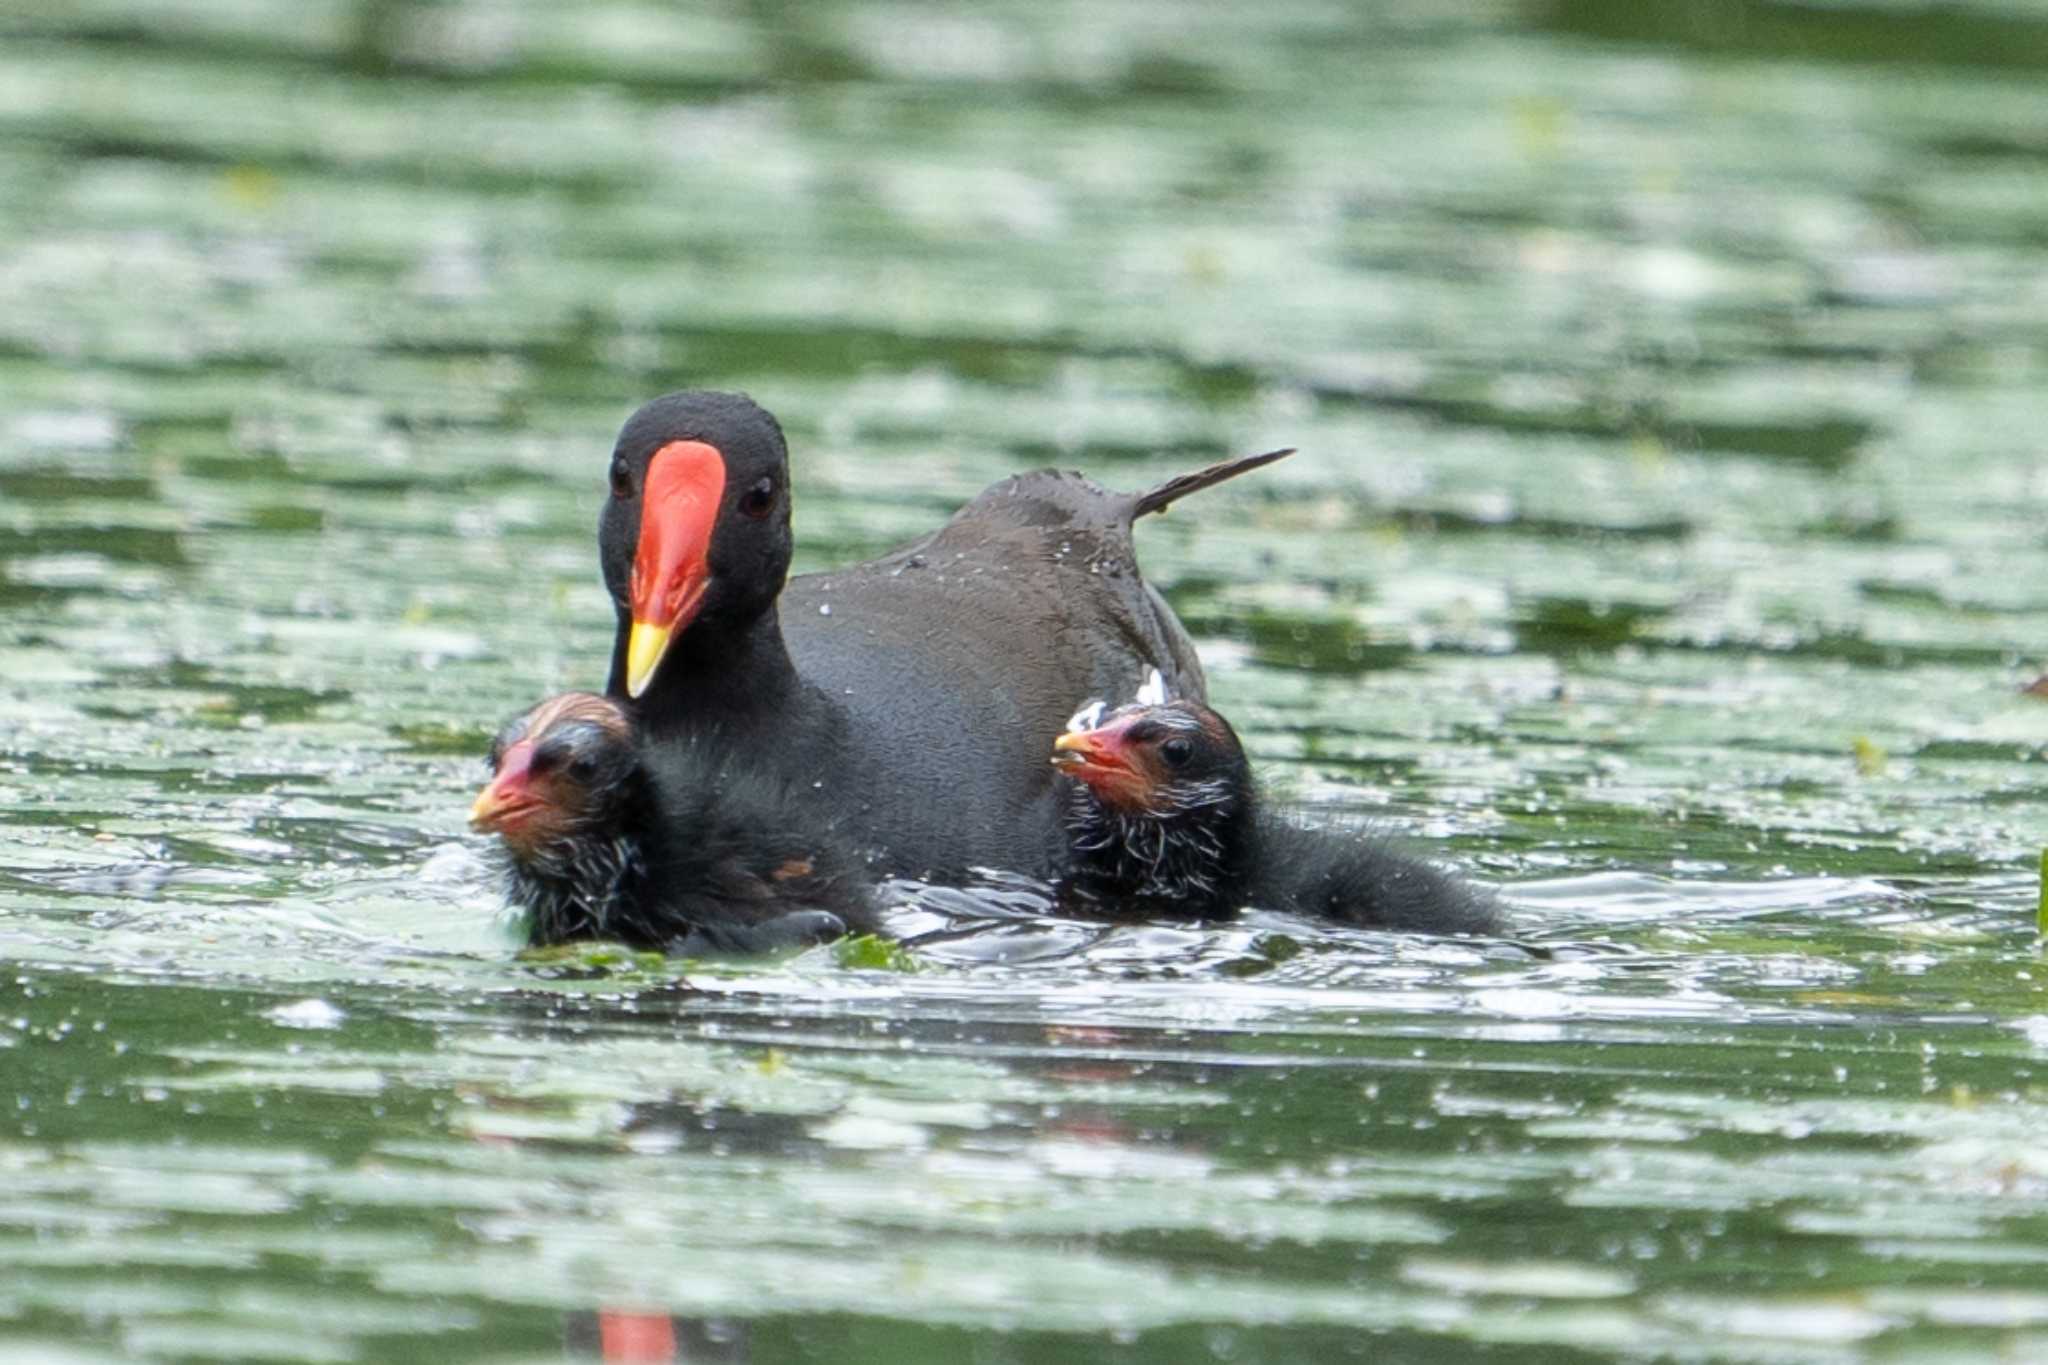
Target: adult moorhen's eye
758	501
1176	751
622	480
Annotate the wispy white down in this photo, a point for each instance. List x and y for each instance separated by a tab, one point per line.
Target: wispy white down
1088	717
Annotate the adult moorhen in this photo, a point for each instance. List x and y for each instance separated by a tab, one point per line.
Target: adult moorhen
1164	819
906	696
703	858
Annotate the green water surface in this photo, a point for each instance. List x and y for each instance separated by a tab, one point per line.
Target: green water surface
1668	545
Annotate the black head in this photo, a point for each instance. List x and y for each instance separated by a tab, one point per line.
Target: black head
1163	801
694	536
560	772
1160	760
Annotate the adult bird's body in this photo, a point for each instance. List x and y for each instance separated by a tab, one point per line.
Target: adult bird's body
908	695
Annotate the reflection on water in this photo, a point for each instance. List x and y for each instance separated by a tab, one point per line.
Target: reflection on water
1663	548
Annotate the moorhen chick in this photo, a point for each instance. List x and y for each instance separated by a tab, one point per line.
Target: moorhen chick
1164	819
906	696
704	858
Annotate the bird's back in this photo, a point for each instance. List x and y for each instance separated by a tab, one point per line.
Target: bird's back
1358	876
956	660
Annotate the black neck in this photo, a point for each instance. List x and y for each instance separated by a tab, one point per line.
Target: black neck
1197	860
593	886
736	676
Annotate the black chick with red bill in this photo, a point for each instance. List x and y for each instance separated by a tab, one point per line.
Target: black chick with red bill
1164	819
707	857
906	697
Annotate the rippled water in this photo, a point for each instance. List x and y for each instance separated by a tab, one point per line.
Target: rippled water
1666	546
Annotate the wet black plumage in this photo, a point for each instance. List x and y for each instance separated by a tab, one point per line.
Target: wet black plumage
704	857
1164	818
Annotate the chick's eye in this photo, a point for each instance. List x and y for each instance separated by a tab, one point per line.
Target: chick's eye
1176	751
758	501
583	769
622	480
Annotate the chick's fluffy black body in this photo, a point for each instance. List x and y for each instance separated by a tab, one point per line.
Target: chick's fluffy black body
705	858
1166	820
709	869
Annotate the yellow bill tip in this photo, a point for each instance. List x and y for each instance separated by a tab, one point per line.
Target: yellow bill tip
644	648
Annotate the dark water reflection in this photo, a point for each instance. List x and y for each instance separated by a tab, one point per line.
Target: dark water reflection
1664	547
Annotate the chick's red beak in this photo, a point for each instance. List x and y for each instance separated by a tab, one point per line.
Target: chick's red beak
1107	761
508	801
672	566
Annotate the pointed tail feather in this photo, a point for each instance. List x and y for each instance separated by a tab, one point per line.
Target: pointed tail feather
1174	489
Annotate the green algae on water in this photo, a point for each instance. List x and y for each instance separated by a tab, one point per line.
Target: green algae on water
871	952
2041	898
